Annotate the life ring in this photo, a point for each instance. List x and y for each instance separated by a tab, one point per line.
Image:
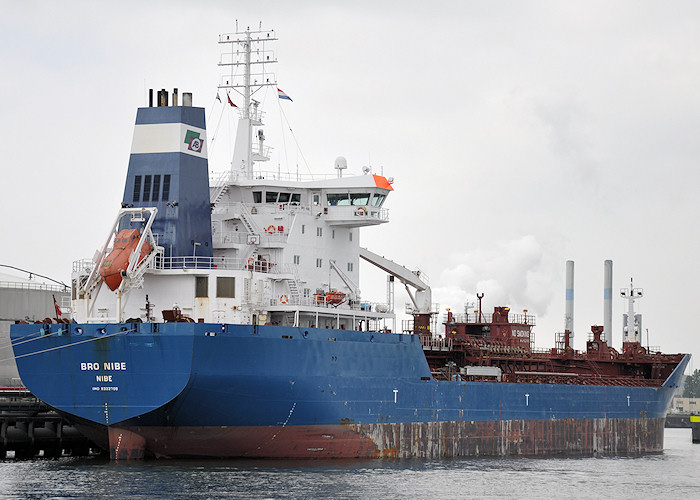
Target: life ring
283	298
361	211
270	229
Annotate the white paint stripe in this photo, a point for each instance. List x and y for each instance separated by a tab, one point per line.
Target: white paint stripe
166	138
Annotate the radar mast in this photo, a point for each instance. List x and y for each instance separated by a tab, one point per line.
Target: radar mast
251	51
632	323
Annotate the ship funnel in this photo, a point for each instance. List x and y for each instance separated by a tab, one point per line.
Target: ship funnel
607	302
168	169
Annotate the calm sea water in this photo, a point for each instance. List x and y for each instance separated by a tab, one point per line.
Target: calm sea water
674	473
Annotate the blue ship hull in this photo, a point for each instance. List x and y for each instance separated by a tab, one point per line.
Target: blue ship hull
198	389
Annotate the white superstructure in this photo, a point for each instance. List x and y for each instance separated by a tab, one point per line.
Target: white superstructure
285	251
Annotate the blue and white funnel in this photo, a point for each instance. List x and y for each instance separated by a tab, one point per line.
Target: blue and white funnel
168	169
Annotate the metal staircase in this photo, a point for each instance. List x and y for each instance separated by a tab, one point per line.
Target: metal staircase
247	220
221	185
290	319
135	278
294	293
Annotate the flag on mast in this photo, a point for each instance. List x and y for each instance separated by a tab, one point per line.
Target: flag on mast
230	101
217	97
58	309
282	95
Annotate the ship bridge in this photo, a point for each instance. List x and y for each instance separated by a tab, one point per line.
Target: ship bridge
353	201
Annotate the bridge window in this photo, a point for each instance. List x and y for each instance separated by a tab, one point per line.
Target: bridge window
339	199
284	198
271	196
257	196
226	287
296	198
359	199
378	199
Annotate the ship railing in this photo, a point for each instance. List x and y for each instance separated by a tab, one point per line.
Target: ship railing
363	305
220	238
215	178
83	265
285	300
220	263
265	150
260	208
473	317
221	179
366	213
370	308
286	268
193	262
542	351
436	343
33	286
409	308
218	178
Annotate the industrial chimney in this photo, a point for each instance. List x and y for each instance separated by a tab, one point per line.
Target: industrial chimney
569	317
607	302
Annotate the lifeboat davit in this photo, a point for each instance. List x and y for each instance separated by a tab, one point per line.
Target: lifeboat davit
125	242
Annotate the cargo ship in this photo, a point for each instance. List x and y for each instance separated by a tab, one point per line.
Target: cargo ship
222	318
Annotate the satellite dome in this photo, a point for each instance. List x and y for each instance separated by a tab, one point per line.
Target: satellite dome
341	163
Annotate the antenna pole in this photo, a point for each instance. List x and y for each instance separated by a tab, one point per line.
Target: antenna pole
246	102
250	51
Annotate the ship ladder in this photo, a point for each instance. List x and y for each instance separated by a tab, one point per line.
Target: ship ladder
294	295
246	219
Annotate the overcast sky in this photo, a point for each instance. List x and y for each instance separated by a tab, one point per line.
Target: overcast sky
519	135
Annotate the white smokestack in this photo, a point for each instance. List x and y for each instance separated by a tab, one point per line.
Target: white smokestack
569	317
607	303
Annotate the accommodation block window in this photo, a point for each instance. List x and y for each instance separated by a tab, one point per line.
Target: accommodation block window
226	287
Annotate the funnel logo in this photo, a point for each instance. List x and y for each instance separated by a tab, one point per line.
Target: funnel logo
193	141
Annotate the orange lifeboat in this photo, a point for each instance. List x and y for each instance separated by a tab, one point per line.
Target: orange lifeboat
125	242
332	298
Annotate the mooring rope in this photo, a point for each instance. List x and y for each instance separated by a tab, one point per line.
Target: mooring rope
16	341
72	344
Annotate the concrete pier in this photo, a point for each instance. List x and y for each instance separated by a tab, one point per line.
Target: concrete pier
29	428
